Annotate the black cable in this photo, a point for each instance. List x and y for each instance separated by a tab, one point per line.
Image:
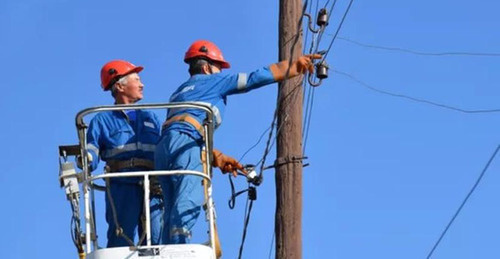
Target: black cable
272	242
331	10
310	91
422	53
270	145
338	29
308	122
252	147
299	26
247	219
464	201
326	3
232	200
307	105
413	98
305	46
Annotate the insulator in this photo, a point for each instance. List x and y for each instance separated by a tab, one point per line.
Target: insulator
322	17
322	70
321	73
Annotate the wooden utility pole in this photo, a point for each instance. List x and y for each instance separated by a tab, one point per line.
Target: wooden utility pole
288	221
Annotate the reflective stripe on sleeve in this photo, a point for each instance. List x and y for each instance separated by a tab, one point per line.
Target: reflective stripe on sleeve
93	148
218	118
242	81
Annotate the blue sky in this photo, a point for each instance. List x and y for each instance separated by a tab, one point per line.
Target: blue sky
385	175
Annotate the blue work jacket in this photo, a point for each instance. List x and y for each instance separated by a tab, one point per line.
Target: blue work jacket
213	90
112	136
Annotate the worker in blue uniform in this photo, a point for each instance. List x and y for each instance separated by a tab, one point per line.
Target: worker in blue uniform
182	139
126	141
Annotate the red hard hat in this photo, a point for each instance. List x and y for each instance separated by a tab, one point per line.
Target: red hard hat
114	70
207	49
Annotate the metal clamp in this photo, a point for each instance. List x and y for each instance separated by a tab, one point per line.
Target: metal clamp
287	160
321	21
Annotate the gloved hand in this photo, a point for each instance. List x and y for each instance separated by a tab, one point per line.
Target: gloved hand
79	160
226	164
299	66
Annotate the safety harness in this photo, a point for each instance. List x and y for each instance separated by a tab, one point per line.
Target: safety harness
117	165
184	118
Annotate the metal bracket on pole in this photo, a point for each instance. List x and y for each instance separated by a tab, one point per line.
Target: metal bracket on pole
287	160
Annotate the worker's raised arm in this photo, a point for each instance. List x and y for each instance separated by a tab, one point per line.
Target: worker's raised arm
299	66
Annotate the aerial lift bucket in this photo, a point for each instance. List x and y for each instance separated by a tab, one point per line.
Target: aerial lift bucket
82	185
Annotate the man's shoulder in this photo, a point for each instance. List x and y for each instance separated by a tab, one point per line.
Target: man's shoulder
211	77
146	114
103	115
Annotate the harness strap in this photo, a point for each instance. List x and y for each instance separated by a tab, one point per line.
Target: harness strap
116	165
218	247
184	118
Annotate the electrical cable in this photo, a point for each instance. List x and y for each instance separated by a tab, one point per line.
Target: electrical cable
463	202
331	10
413	98
299	27
338	29
271	247
257	143
247	219
306	89
275	116
232	200
326	3
415	52
308	122
272	143
311	91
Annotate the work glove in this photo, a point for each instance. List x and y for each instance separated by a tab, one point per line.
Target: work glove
79	160
226	164
300	66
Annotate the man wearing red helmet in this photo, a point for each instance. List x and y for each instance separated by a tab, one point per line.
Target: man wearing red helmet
126	141
181	141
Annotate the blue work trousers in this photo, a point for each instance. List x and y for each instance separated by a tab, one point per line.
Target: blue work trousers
183	194
128	199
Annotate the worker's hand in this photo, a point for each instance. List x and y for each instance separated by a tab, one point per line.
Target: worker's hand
305	63
226	164
300	66
79	160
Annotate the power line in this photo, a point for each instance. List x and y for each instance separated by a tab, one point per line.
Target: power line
315	45
248	211
331	10
413	98
422	53
252	147
299	27
275	116
463	202
308	88
338	29
271	247
327	3
308	122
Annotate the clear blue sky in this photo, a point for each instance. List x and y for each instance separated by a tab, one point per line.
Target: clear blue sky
386	173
